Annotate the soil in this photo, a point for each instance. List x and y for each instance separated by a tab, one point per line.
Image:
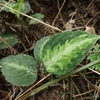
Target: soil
75	14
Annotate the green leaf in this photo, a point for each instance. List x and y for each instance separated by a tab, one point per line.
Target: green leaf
64	51
18	7
95	56
39	47
10	37
25	7
20	69
38	16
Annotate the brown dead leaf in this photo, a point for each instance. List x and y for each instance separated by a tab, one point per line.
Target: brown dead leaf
90	29
69	24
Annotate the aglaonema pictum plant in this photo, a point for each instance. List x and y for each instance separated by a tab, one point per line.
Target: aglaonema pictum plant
60	54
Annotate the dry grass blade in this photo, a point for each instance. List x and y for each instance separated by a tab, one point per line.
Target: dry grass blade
59	12
94	71
83	93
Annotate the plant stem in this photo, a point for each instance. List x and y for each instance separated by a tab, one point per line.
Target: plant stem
57	79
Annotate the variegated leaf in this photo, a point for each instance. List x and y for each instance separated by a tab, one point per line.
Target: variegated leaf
64	51
19	69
